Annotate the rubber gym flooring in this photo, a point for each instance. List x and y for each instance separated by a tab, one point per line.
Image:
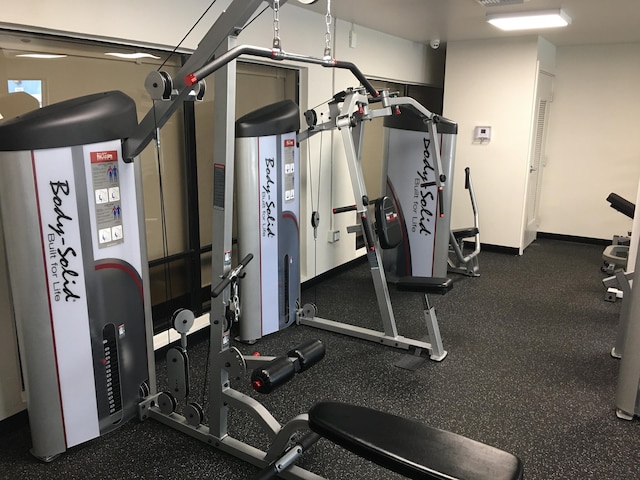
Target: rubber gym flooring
528	371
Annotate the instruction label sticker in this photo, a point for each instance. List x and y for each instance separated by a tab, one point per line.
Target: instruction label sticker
106	188
289	161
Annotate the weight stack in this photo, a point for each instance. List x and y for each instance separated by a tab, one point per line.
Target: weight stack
408	163
76	252
268	202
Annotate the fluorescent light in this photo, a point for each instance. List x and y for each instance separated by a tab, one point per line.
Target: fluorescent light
39	55
529	20
132	56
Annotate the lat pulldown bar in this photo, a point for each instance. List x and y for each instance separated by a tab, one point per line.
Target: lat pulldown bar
275	54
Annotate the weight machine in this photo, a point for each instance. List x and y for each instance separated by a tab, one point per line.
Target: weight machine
628	390
626	347
347	112
413	450
429	248
405	454
459	262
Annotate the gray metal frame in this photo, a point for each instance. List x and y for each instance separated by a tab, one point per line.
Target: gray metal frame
622	280
343	117
628	389
225	361
457	260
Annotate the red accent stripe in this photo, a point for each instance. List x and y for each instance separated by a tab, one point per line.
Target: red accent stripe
129	271
260	240
293	218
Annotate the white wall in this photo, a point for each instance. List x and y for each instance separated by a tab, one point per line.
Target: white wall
592	149
592	124
491	83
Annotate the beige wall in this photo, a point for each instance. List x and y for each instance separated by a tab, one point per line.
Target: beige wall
491	83
592	148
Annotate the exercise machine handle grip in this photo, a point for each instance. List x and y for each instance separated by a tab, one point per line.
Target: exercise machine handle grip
466	178
283	462
358	74
231	276
366	226
275	54
348	208
441	201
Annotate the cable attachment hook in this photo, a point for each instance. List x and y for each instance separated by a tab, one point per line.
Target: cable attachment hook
327	36
276	25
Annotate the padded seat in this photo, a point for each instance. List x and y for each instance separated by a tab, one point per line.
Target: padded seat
425	284
622	205
410	448
460	233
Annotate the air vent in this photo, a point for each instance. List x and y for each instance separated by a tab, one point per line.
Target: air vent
497	3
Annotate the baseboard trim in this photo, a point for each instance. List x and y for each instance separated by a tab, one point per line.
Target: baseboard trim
18	420
487	247
575	238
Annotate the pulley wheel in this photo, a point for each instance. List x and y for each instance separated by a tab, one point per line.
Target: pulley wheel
167	403
194	414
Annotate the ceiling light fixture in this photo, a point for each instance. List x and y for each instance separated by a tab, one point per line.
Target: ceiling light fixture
40	55
529	20
132	56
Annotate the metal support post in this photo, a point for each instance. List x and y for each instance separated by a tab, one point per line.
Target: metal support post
223	173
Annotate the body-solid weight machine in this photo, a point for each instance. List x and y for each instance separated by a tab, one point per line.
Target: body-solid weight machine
348	111
405	454
77	268
413	450
459	260
428	247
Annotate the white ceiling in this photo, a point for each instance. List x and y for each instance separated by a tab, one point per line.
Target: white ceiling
593	21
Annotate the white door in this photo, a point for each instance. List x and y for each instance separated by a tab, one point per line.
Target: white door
544	95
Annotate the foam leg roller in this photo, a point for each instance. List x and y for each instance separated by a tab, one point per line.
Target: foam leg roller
307	354
275	373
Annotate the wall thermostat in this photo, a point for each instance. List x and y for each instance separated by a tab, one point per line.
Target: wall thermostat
482	134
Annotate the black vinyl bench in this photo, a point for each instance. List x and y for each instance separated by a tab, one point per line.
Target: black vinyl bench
411	448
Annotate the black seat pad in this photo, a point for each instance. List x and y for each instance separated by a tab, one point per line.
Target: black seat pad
459	233
622	205
425	284
410	448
